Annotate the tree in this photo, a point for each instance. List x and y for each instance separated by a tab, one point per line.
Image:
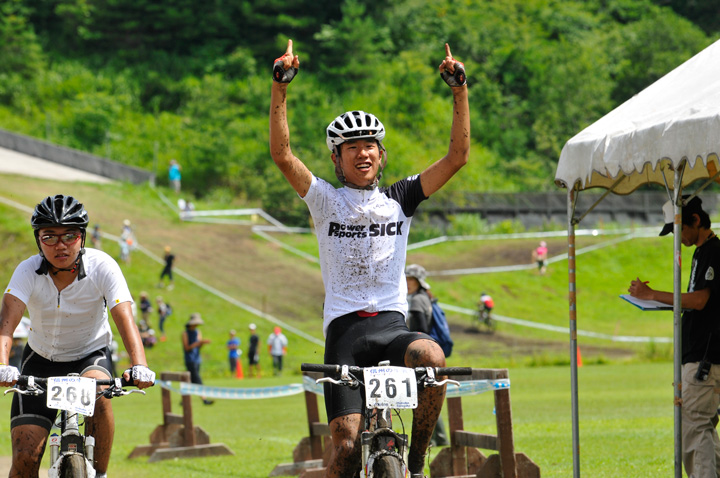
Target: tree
20	52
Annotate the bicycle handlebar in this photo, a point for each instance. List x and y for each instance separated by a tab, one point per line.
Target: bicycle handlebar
334	369
23	381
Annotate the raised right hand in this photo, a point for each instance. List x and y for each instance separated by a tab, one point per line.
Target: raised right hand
286	67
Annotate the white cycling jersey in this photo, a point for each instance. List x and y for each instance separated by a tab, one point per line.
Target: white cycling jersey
70	324
362	237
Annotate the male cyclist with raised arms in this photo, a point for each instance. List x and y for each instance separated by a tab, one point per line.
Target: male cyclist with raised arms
67	291
362	231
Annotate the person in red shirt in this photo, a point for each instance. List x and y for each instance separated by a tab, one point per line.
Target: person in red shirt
540	256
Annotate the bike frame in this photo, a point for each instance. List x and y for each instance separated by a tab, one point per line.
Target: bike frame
379	438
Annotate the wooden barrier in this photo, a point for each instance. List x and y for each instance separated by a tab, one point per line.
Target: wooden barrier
461	459
312	453
177	437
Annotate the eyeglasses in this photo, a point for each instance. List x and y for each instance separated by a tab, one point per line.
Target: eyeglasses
68	238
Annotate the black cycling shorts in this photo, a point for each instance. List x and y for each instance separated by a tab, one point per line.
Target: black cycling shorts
363	341
29	410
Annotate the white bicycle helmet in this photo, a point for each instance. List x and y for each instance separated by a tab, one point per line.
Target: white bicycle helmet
354	125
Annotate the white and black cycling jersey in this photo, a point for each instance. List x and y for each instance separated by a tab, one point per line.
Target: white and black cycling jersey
70	324
362	237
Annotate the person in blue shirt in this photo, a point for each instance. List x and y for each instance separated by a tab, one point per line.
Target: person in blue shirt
233	346
174	175
192	343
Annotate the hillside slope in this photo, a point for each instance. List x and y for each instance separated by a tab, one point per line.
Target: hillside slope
258	273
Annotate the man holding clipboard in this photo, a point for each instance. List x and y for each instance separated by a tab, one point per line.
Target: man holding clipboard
700	338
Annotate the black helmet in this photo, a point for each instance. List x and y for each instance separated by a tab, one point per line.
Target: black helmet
59	210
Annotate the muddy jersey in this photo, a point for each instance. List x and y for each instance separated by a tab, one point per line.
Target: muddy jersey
70	324
362	237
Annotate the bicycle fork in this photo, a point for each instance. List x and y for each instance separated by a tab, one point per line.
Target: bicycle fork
382	439
71	441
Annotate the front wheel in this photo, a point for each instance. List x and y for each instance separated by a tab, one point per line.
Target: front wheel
73	466
388	466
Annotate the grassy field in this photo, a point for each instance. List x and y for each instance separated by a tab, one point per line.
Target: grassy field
625	404
625	424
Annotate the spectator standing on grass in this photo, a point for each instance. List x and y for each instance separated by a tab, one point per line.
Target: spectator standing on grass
127	241
167	270
233	346
419	319
540	254
192	343
145	309
700	337
253	352
174	176
362	231
96	237
277	348
164	310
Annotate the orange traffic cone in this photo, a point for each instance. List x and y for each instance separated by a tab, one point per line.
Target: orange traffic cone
239	371
579	357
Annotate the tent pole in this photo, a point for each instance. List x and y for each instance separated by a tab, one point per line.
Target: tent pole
677	324
605	194
573	333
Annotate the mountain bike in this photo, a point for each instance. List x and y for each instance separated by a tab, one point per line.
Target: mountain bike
483	316
71	452
387	388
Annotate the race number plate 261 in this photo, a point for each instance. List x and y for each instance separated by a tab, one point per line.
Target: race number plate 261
73	394
390	387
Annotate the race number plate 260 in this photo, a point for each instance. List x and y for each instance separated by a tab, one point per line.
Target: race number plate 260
390	387
73	394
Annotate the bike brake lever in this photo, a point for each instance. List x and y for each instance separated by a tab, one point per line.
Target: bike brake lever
350	382
118	392
33	392
443	382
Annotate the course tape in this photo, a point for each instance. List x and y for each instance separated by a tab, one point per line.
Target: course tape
476	387
471	387
232	393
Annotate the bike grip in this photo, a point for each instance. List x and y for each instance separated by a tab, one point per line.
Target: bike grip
454	371
319	367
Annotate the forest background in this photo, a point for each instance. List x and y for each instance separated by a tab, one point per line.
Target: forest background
143	82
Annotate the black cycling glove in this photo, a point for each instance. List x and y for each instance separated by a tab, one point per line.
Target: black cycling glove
280	74
456	79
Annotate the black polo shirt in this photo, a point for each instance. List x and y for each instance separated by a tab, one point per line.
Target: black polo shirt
701	328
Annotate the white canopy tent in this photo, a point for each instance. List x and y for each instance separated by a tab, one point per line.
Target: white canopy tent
667	134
